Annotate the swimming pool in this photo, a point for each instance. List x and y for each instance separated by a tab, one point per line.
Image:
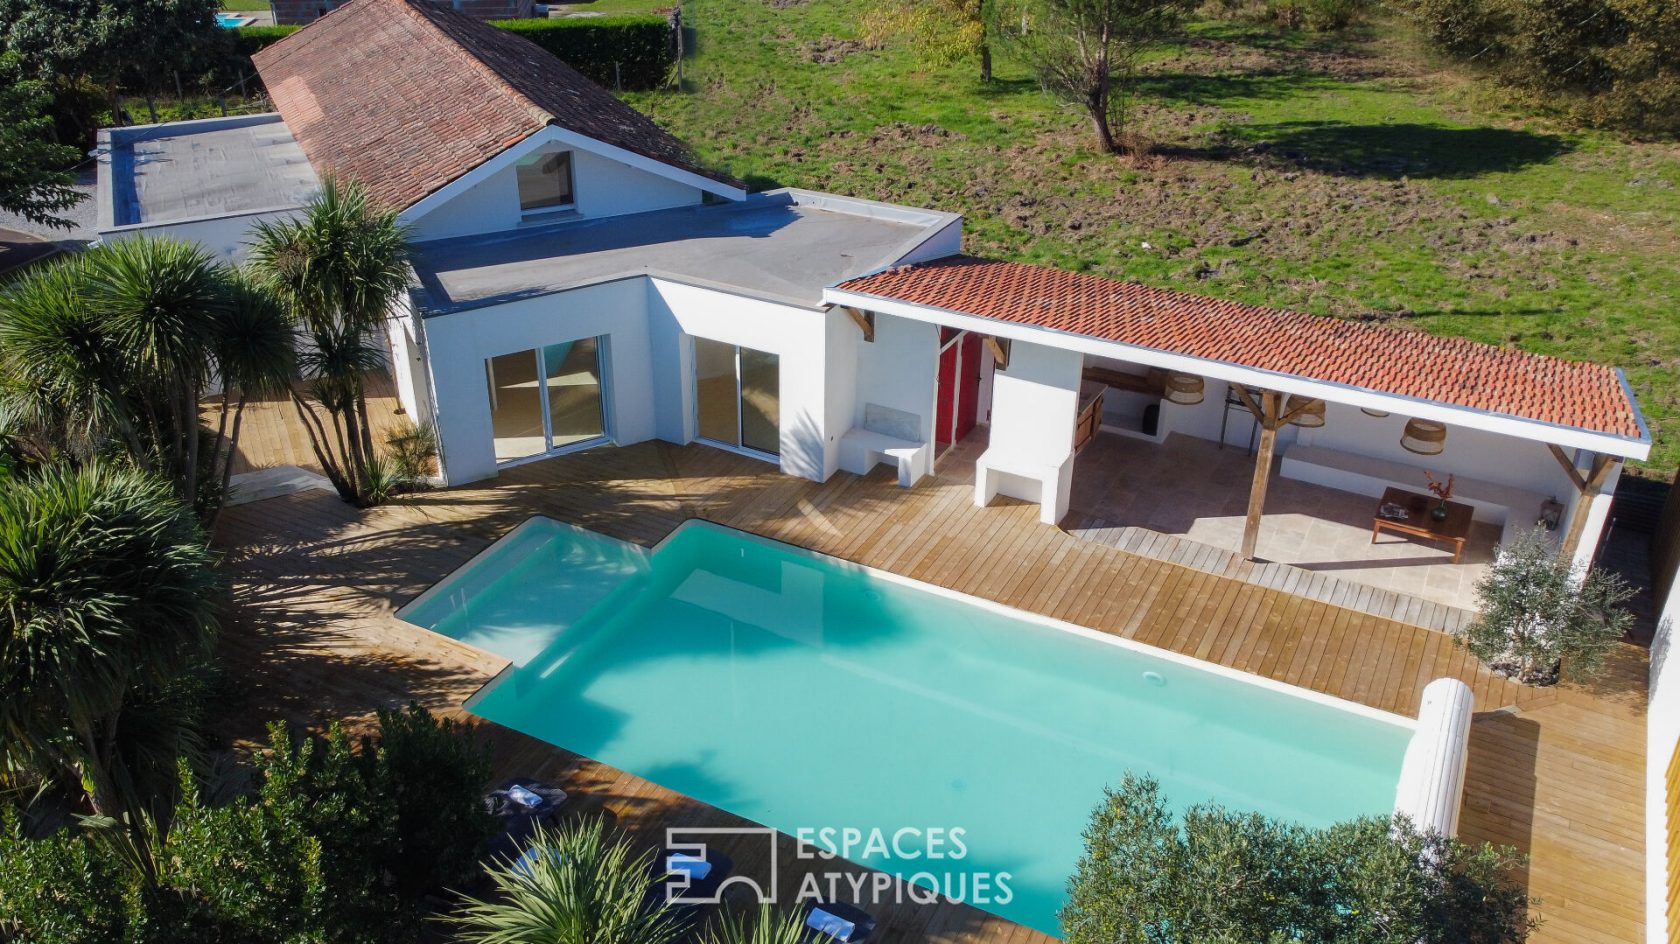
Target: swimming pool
804	692
233	20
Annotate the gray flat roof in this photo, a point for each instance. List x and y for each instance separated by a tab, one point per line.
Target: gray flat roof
192	170
784	246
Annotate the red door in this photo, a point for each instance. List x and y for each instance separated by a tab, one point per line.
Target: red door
959	387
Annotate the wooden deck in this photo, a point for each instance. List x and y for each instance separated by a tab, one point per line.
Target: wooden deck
1556	772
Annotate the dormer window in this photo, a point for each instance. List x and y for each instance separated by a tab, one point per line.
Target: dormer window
545	183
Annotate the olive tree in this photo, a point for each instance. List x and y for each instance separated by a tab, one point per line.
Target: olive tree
1537	614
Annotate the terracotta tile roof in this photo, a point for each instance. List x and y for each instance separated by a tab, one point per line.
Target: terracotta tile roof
1382	359
405	97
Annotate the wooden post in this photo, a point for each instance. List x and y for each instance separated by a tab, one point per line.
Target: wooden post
1270	407
1587	490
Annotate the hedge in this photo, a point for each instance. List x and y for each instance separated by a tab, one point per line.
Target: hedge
633	52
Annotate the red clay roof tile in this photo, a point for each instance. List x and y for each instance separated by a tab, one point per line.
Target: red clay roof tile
405	97
1447	370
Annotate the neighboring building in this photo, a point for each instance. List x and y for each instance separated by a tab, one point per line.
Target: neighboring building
581	280
303	12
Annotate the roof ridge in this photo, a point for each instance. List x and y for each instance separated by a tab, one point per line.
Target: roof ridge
429	15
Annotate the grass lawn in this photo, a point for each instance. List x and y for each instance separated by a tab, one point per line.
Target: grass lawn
245	6
1346	176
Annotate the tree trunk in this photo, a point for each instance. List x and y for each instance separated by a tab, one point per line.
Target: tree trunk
317	435
1097	105
227	466
985	61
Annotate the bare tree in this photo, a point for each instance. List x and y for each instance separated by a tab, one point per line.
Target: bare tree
1086	51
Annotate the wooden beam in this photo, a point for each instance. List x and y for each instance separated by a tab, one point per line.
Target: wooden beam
1289	417
1270	401
1568	466
1120	380
1000	354
1248	401
864	321
1583	504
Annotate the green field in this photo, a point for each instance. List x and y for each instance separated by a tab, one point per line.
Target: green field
1345	175
245	6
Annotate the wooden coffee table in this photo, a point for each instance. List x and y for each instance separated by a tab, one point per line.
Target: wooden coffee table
1419	524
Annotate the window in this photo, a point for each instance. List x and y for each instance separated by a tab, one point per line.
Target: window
737	396
545	182
546	399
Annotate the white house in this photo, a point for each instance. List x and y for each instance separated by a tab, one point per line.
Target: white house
581	280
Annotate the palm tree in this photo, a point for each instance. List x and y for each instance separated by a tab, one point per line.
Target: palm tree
767	927
340	268
108	597
580	884
254	348
116	346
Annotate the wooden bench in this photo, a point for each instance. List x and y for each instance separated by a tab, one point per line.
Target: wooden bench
887	435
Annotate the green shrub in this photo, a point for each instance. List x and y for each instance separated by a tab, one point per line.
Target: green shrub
1214	875
412	449
60	889
248	40
630	52
1535	612
1320	16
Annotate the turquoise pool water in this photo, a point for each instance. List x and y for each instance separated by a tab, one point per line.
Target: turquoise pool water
805	693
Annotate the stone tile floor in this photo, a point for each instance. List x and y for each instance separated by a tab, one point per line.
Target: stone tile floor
1193	489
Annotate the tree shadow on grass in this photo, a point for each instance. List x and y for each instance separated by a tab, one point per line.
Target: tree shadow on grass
1393	151
1195	88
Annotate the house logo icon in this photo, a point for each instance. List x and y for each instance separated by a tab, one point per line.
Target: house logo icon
684	887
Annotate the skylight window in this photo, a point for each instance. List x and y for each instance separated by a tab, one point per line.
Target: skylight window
545	182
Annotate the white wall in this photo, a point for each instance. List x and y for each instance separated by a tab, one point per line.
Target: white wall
226	236
898	370
1035	402
1662	734
408	362
796	335
460	343
602	187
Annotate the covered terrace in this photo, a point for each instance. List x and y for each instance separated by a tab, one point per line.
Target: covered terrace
1273	434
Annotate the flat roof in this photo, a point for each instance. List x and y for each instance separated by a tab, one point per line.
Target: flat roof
193	170
784	246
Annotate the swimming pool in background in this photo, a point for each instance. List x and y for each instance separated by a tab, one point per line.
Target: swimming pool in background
803	692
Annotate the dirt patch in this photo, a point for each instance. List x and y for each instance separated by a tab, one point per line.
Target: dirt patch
830	50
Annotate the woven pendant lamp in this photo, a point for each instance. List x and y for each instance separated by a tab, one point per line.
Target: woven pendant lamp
1312	411
1184	389
1424	437
1379	414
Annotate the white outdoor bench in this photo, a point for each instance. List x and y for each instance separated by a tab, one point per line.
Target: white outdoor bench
999	472
890	436
1514	509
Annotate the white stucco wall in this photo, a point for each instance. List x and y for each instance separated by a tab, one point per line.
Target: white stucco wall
602	187
408	363
1035	402
796	335
460	343
228	237
1662	735
899	369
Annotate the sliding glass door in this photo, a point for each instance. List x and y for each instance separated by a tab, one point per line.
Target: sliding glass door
737	396
546	399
